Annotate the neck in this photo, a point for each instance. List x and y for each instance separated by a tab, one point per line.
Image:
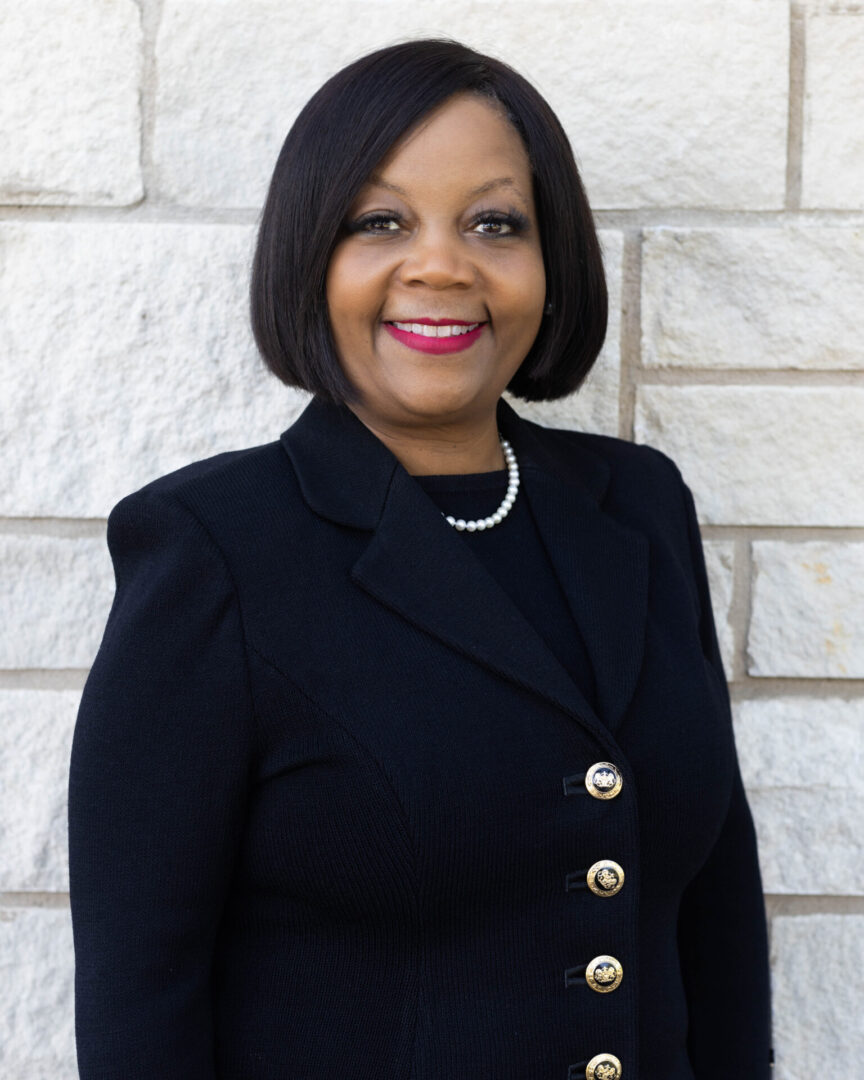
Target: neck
443	449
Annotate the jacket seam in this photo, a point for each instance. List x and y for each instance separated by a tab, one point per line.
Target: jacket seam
406	830
248	647
236	593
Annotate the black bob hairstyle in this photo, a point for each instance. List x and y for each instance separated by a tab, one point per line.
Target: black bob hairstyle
338	139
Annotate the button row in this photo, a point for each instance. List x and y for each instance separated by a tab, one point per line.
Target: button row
602	780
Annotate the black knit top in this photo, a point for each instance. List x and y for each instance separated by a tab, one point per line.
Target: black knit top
513	552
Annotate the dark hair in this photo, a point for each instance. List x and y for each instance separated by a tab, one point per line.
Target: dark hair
339	138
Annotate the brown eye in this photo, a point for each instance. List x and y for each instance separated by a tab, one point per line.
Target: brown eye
495	228
496	223
376	223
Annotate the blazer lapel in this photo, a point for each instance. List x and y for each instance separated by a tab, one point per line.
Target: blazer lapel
348	475
602	564
419	566
602	568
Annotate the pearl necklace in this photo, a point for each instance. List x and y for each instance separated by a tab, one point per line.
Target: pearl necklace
504	509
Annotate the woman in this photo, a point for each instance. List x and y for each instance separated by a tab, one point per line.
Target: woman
407	751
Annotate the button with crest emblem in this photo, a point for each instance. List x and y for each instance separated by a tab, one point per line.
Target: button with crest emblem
605	878
603	780
603	1067
604	974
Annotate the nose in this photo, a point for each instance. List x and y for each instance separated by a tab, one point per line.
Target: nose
438	259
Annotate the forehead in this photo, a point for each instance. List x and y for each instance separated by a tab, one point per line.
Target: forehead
463	145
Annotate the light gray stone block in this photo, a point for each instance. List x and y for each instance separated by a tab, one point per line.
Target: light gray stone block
56	593
126	353
648	126
35	744
832	168
818	994
802	762
753	298
70	123
762	455
37	994
594	407
808	609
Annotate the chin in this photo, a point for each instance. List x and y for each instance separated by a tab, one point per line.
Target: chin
438	401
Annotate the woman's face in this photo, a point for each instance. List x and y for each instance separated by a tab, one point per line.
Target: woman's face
436	291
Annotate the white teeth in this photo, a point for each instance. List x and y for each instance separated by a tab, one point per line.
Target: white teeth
449	330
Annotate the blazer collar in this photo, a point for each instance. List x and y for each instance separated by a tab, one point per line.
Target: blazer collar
345	470
347	475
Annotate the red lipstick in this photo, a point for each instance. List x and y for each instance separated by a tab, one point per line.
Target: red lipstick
437	345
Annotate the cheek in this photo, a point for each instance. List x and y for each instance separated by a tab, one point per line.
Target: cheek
353	295
522	286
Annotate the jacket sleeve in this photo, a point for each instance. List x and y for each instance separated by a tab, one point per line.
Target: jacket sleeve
722	927
158	781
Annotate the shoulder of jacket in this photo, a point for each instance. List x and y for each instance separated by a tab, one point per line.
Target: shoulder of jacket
626	460
183	518
209	480
625	453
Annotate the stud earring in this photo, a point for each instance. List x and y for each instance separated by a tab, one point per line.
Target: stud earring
548	309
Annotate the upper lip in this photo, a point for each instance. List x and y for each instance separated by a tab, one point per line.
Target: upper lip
436	322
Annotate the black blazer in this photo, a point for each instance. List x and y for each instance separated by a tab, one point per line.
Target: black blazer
329	806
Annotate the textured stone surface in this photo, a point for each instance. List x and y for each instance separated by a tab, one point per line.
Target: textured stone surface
665	103
832	172
35	743
762	455
37	969
818	992
56	593
802	759
719	562
595	405
125	354
69	113
807	609
753	298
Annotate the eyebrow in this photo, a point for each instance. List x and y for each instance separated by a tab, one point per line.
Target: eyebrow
501	181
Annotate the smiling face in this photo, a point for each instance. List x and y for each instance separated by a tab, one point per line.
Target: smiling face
435	292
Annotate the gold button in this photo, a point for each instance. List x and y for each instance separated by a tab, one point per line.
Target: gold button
604	974
605	878
603	780
603	1067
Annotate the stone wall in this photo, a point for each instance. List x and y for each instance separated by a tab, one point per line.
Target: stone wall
722	144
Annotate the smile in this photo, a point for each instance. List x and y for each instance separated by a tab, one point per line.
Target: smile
446	330
431	337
